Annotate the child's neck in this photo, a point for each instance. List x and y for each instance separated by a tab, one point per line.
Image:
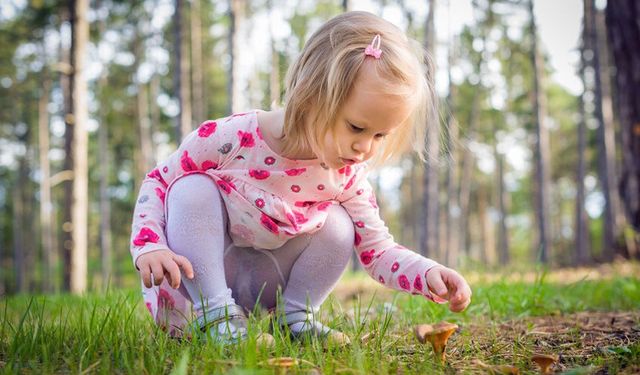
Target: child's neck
272	127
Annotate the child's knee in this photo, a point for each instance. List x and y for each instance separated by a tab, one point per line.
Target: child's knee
192	191
338	229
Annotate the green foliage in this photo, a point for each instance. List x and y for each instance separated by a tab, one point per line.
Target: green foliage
113	332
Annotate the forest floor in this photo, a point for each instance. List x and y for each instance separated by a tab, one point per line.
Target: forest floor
589	318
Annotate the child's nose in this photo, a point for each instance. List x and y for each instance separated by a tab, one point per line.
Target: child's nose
363	146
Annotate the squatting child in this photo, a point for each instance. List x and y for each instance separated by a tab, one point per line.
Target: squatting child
260	200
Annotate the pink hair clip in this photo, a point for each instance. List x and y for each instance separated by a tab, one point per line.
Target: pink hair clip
373	49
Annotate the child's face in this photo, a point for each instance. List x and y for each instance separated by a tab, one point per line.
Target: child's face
367	116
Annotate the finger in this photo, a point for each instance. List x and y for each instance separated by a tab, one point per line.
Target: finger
186	266
145	272
459	306
158	273
436	284
173	272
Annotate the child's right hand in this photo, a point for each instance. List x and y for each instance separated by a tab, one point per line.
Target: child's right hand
163	263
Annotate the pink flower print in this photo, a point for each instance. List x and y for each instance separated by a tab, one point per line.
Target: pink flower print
165	300
269	223
226	186
300	219
359	224
269	160
372	200
259	133
160	193
381	279
145	235
187	163
259	174
295	188
350	183
292	220
246	139
321	187
156	175
259	202
360	191
295	171
357	239
239	157
404	283
324	205
165	169
225	148
148	304
417	283
367	256
395	266
304	203
207	128
143	215
208	164
346	170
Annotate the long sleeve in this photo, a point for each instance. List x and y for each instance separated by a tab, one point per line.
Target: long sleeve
206	148
383	259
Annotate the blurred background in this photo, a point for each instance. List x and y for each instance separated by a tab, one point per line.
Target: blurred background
538	141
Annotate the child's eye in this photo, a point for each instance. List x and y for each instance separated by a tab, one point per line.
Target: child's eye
355	128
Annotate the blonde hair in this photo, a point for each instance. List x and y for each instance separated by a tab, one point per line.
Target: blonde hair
321	78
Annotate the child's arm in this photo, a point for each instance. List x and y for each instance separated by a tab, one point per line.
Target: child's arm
391	264
206	148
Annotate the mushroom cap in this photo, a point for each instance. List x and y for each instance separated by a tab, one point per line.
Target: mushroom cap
544	358
442	331
285	362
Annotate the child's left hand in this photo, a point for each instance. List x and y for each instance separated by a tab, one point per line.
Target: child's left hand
449	285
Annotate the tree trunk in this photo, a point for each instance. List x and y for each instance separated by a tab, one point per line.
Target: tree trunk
503	233
181	77
543	178
430	241
46	206
197	77
106	256
80	150
235	92
624	34
66	83
18	215
453	203
582	249
604	134
468	162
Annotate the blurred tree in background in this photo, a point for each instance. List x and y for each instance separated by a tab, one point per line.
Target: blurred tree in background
524	170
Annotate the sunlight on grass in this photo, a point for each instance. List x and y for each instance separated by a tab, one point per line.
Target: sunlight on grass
114	333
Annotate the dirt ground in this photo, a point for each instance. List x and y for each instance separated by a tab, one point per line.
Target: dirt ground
577	339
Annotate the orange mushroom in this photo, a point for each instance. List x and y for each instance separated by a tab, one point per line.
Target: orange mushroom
544	361
437	334
282	364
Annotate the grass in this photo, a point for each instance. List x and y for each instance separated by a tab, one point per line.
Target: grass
594	324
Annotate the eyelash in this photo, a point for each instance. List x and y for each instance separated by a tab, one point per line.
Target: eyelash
358	130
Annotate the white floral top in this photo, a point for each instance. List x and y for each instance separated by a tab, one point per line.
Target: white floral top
271	199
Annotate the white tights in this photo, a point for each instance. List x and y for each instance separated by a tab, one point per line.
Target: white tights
306	268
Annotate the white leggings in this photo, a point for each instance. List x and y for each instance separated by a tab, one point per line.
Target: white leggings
306	268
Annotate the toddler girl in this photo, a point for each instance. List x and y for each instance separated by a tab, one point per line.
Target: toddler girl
259	201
